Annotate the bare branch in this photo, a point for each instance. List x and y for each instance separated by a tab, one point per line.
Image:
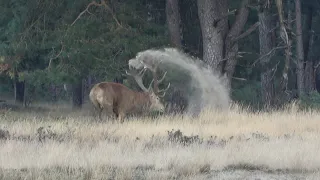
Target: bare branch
86	10
316	66
248	31
267	54
255	7
50	61
274	69
240	79
104	4
112	14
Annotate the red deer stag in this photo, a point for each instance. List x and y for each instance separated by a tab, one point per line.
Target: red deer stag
121	100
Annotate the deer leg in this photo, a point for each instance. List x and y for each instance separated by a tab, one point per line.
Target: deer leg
121	117
100	114
97	110
115	111
100	109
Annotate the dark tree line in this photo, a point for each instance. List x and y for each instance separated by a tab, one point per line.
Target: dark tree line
266	49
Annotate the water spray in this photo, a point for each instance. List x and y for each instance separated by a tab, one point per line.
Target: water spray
208	89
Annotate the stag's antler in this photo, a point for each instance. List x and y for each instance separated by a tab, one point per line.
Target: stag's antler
156	83
138	78
154	69
152	65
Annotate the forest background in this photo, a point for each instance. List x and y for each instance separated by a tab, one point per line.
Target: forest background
55	51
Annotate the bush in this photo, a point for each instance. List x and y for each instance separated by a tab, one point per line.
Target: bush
310	101
247	94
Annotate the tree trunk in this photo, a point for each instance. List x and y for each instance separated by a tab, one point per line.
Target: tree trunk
173	21
77	94
67	88
317	80
19	89
118	80
27	94
300	52
265	39
214	27
231	44
89	81
220	43
308	43
231	61
54	93
308	77
285	35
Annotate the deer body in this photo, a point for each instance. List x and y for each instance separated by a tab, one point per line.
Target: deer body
120	100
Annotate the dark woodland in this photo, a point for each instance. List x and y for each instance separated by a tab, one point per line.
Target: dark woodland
53	51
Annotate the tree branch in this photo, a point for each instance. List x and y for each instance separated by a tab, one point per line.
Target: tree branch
240	79
316	66
216	21
86	10
50	61
240	21
267	54
104	4
248	31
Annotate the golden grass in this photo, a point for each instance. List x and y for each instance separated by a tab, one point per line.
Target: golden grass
283	140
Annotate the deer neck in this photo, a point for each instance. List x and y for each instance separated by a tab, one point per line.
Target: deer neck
142	99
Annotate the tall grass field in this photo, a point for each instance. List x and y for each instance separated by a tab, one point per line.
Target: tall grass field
54	142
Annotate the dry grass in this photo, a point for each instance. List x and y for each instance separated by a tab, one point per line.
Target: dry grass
61	145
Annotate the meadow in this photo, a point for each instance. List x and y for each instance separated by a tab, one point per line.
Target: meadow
54	142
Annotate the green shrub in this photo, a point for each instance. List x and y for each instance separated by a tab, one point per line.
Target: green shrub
310	101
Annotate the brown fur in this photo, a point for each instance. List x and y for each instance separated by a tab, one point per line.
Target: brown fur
121	100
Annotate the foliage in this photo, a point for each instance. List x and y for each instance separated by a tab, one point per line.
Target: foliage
5	85
311	101
55	49
247	93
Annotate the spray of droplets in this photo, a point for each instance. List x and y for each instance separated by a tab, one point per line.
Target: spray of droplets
209	90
